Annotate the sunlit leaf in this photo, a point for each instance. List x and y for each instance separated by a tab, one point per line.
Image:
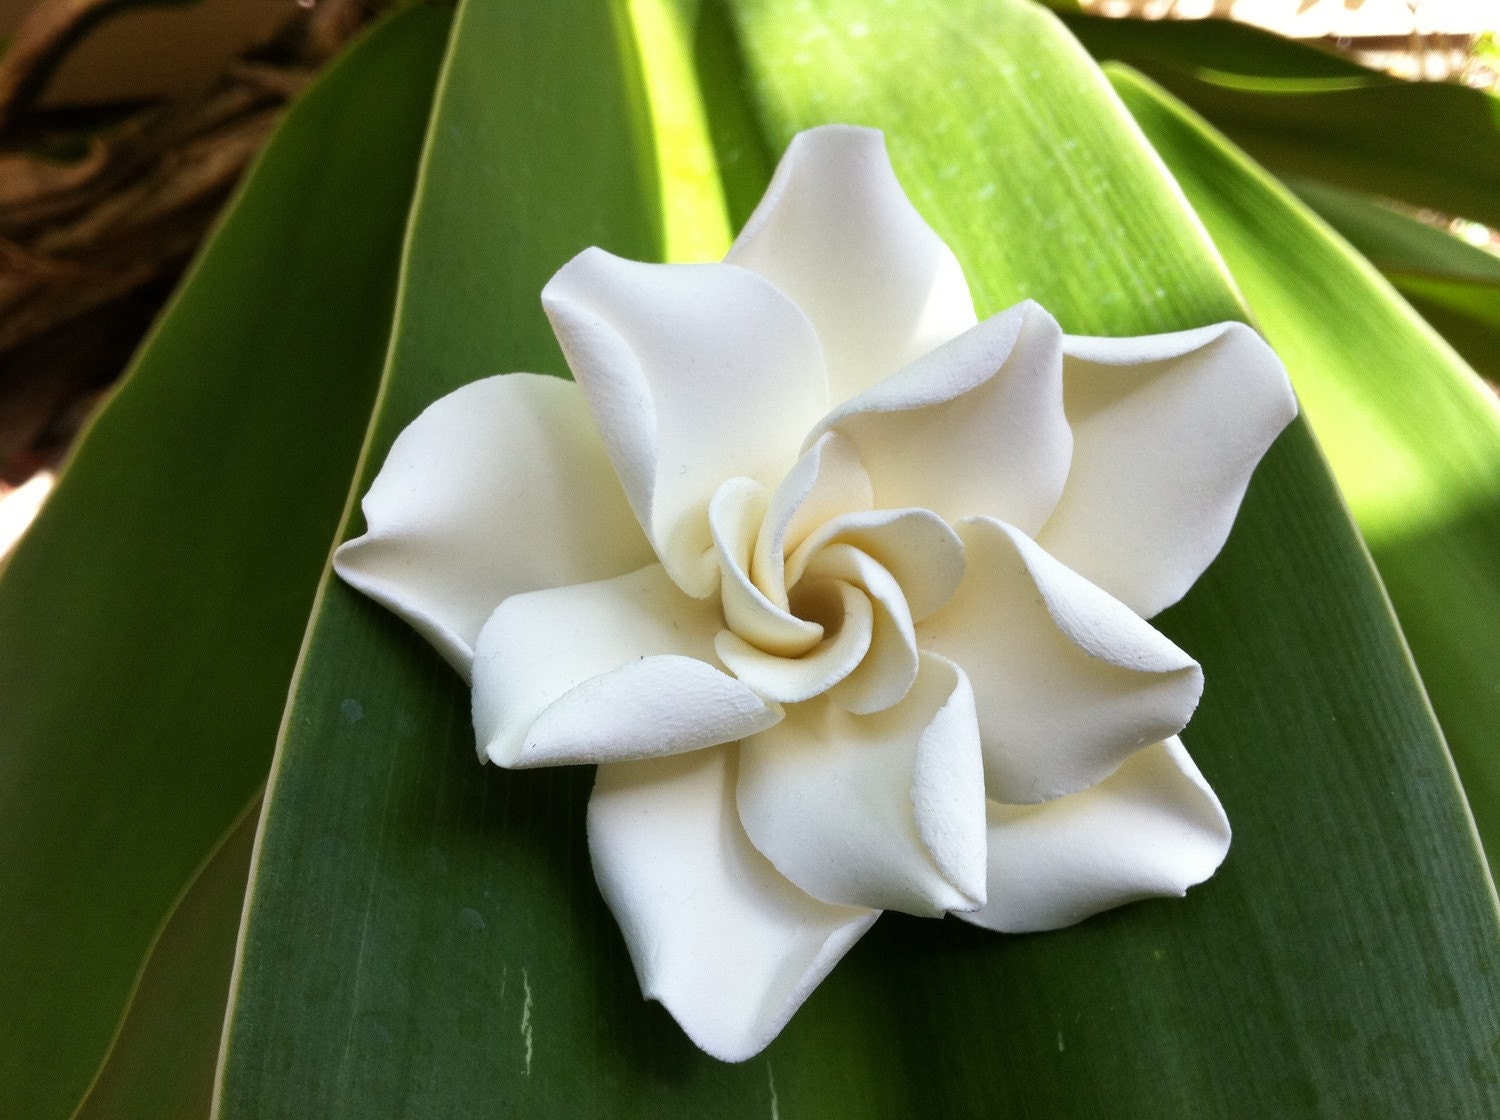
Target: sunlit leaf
1412	434
425	938
1301	112
1455	286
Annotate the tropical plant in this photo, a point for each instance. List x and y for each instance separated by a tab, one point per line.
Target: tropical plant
186	693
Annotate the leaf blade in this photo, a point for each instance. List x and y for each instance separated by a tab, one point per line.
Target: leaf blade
135	734
1432	526
347	1034
1281	624
1300	112
457	926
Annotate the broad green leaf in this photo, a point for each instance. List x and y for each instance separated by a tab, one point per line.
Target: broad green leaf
161	1066
1428	144
1454	285
424	936
1350	830
1411	432
151	618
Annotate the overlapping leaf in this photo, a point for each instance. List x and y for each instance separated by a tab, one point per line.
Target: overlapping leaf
1301	112
1455	286
424	936
1412	434
150	620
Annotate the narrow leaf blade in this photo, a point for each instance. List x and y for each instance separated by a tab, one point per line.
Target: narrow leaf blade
425	938
1300	112
1351	831
1412	434
150	619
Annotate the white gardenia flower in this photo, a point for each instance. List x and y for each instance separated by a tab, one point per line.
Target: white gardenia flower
843	590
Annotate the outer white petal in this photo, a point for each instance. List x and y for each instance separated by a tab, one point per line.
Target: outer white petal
716	933
498	488
1152	828
695	374
884	810
975	427
836	232
1068	680
1167	430
605	671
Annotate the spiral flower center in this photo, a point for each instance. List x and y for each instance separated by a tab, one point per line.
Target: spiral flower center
821	608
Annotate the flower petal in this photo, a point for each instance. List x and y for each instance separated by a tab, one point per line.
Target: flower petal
605	671
735	517
498	488
727	945
974	427
915	545
827	481
889	666
1069	682
1152	828
884	810
838	235
1167	430
695	374
850	619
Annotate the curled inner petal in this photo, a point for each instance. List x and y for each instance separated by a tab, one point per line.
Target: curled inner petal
831	616
827	482
735	515
923	555
889	666
843	611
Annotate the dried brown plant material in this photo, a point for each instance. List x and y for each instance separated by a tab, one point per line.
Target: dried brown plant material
44	30
80	237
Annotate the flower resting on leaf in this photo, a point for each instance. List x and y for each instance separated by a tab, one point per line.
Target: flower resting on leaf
843	590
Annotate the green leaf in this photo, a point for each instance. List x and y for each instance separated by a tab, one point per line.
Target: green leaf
1465	312
1411	432
161	1065
424	936
1392	241
1428	144
1455	286
1213	48
150	619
